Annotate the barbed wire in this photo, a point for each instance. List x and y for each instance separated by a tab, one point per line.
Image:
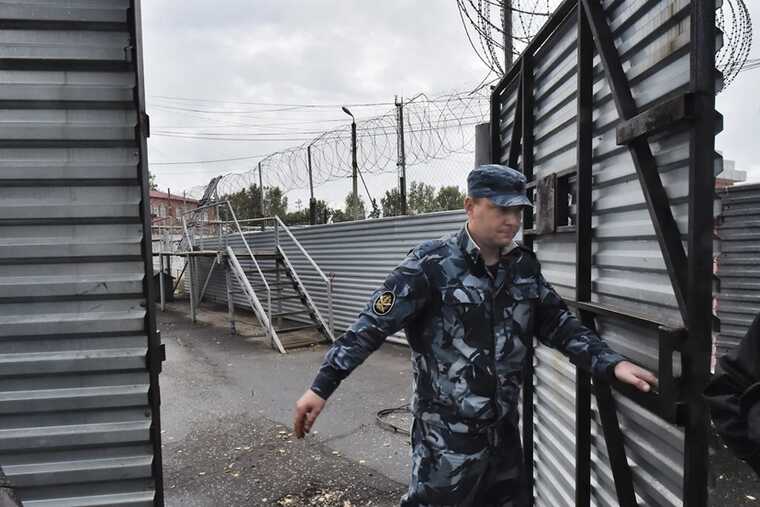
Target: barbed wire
484	20
733	19
434	129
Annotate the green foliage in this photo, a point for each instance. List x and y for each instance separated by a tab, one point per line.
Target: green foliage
391	203
301	217
246	202
275	202
354	210
449	198
421	198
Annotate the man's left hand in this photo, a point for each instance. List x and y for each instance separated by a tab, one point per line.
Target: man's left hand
640	378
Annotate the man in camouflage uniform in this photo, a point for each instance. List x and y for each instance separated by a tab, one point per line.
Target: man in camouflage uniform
470	304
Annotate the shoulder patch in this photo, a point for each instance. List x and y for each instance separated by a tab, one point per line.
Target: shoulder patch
383	303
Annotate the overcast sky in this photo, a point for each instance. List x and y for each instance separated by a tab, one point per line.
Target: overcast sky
205	56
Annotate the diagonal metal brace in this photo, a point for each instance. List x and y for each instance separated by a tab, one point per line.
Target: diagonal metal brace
613	437
666	228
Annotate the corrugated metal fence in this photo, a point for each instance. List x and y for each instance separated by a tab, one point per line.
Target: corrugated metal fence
358	254
79	422
738	268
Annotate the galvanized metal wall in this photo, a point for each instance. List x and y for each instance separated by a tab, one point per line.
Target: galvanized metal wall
358	254
628	270
78	420
738	269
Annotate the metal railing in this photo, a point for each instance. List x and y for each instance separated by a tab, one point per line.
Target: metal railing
266	321
268	313
328	326
240	227
278	224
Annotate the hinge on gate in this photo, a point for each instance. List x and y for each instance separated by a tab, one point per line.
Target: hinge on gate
146	124
156	355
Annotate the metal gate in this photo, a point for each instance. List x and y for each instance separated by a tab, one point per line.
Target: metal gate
610	114
80	355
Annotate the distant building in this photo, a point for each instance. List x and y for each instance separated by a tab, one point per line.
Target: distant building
729	176
168	208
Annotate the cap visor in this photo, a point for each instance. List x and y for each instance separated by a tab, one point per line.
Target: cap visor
509	201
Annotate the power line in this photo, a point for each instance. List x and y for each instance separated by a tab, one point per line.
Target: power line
435	128
213	161
273	104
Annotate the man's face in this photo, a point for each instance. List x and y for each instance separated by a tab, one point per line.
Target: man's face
494	225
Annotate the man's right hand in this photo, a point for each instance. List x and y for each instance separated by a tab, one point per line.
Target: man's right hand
307	411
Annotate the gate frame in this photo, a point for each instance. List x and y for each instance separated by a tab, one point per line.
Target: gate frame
156	351
677	401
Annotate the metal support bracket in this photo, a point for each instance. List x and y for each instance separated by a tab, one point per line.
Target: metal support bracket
656	119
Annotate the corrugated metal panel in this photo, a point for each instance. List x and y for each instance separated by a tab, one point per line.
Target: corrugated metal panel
358	254
76	422
629	273
738	270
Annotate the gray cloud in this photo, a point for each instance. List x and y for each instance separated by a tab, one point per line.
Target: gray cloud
330	51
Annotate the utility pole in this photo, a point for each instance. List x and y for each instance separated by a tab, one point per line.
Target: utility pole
354	165
401	164
312	201
261	192
507	9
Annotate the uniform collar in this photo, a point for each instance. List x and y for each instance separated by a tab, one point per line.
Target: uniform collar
471	250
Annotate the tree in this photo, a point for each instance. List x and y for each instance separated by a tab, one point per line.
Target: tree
324	212
340	216
449	198
421	198
246	202
392	203
301	217
152	181
275	202
355	208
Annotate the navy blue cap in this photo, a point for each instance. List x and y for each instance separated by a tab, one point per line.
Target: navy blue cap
501	184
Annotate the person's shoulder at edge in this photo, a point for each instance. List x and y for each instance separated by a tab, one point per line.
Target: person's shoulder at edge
431	247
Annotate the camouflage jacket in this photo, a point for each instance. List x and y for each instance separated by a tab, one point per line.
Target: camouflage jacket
468	328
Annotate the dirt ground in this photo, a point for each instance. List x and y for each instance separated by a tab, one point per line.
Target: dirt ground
255	461
227	411
226	408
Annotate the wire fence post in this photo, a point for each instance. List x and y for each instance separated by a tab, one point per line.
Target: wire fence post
312	201
401	164
507	35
